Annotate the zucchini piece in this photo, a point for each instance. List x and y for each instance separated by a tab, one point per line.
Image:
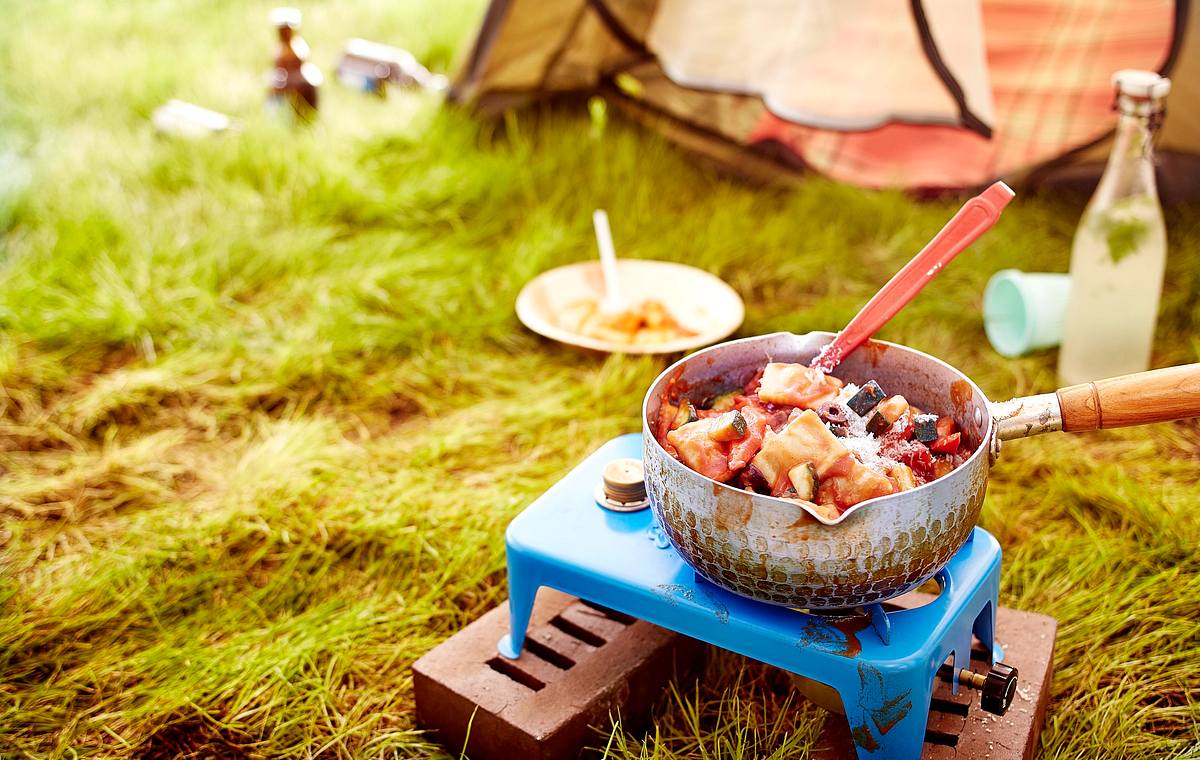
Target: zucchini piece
867	398
925	428
686	414
723	402
886	414
728	427
804	480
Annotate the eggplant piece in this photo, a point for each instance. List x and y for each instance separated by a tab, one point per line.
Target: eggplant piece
925	428
866	399
686	414
751	477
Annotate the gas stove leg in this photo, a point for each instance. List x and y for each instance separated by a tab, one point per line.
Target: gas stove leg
888	715
985	625
522	590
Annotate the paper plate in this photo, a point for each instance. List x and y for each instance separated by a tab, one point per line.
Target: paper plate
699	301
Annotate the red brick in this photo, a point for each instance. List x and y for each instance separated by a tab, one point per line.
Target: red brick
624	669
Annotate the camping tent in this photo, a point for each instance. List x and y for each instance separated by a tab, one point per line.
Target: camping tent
921	94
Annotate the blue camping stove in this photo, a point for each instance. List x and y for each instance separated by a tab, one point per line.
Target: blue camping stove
880	661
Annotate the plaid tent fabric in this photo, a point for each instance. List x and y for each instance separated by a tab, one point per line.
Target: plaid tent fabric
1050	64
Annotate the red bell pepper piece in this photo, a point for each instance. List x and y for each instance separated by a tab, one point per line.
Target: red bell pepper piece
919	459
947	445
946	426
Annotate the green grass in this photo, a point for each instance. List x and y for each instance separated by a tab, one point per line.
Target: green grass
265	408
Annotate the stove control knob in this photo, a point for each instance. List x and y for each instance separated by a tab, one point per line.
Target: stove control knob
999	689
623	488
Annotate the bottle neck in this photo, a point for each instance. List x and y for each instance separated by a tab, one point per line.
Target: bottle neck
292	49
1130	169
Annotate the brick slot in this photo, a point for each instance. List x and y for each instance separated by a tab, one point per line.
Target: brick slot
613	615
557	659
940	737
576	631
944	705
509	669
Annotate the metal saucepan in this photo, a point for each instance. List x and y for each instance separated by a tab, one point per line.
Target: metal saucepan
776	551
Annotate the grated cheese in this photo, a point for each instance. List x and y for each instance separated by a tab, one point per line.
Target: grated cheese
866	450
863	445
847	393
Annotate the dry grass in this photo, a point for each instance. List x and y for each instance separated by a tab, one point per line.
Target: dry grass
265	409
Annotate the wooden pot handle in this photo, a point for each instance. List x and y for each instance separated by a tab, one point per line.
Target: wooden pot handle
1159	395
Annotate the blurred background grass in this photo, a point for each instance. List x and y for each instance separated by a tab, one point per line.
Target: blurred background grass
265	408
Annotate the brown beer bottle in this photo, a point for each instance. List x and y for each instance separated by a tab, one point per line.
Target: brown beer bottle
294	79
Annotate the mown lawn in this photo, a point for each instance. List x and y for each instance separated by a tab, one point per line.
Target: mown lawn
265	408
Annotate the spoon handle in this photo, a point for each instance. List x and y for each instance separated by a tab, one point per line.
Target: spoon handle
975	218
613	300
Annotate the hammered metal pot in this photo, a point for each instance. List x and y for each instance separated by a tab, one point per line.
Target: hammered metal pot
775	551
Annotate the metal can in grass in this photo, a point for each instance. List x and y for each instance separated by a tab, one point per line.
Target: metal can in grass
371	66
183	119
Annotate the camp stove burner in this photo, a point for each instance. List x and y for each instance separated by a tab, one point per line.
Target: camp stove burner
880	664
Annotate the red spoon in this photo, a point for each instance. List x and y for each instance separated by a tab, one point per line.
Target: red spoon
975	218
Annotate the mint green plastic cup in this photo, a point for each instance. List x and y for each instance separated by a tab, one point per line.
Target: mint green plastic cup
1024	311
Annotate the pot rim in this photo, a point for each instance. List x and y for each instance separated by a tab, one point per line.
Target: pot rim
982	450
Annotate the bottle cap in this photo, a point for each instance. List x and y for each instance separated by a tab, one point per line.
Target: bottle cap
289	17
1137	83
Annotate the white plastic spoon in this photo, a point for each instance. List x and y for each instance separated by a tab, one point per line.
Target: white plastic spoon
613	301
